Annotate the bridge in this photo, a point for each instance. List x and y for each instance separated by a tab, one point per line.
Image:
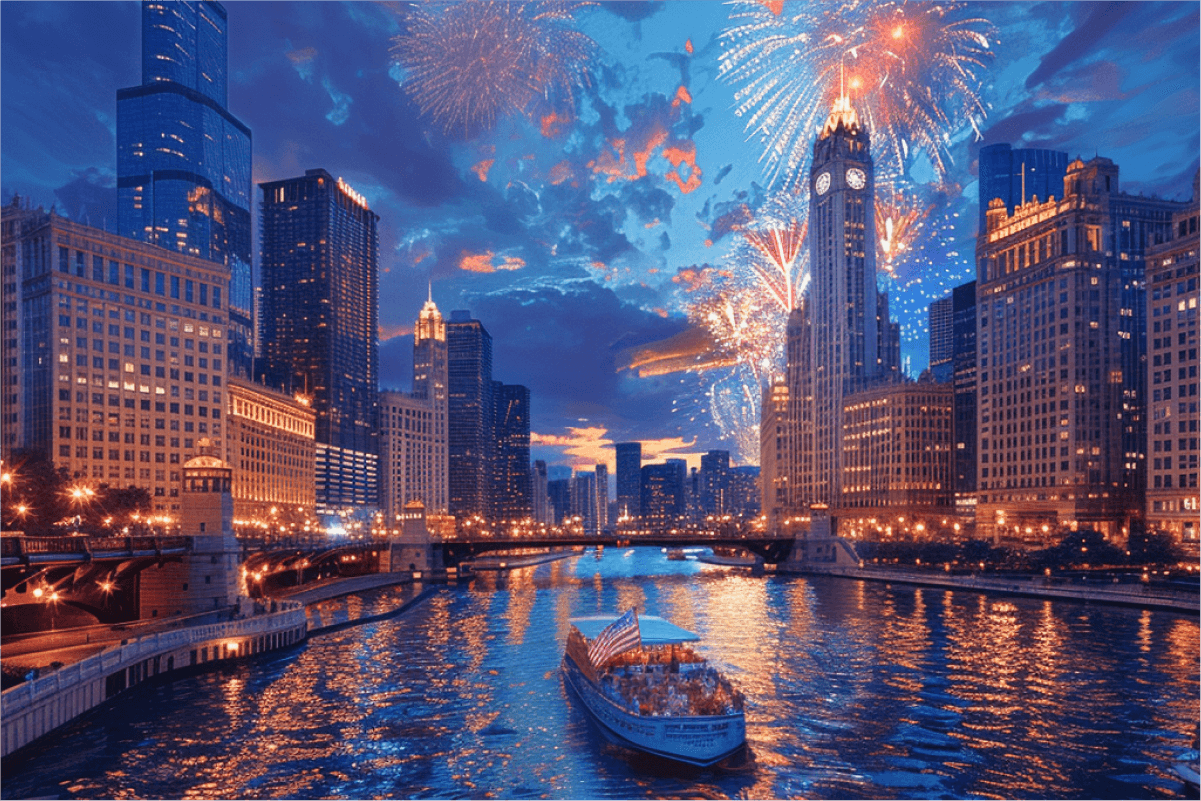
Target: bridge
461	546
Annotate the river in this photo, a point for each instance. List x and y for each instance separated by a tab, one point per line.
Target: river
854	690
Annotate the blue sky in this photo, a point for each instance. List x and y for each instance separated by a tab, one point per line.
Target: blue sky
571	252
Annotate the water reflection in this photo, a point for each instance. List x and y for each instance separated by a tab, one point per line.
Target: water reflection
853	690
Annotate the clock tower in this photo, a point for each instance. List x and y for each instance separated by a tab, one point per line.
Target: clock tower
843	341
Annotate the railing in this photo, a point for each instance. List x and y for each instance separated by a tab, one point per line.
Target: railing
289	615
19	547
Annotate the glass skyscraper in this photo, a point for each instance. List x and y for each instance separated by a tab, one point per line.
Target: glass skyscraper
470	415
319	326
1018	176
183	161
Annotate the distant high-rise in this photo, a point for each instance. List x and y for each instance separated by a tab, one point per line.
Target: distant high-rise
715	483
663	501
320	312
183	161
629	479
1061	350
1018	176
602	497
470	414
512	492
543	513
963	424
942	338
413	427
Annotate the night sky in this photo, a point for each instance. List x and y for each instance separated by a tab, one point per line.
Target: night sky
578	227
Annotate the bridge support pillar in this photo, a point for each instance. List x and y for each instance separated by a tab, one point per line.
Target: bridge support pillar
208	578
412	550
822	546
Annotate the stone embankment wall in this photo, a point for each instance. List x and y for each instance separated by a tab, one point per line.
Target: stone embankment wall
37	707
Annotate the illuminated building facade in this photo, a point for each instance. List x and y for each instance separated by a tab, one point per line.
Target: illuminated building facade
412	454
1060	337
1018	176
897	449
413	427
840	339
1172	417
121	353
270	445
470	414
629	479
183	161
775	438
320	324
584	495
714	490
663	501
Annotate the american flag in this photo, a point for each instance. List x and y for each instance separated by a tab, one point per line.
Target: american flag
618	637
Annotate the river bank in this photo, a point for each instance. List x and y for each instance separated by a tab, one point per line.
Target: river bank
1051	587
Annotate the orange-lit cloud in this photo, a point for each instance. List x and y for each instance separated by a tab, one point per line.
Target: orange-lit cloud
774	6
482	167
586	447
488	262
682	96
476	262
688	45
391	332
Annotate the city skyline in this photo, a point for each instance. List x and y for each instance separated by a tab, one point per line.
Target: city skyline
573	250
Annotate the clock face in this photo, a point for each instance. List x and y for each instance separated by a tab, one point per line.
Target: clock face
823	183
855	178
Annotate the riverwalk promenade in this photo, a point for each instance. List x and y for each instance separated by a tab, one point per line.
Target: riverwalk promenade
1149	596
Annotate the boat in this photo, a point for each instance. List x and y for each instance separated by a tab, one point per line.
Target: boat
653	692
676	554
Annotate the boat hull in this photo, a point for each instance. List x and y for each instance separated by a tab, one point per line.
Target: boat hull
696	740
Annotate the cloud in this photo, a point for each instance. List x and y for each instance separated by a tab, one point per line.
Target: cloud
584	447
633	11
1080	43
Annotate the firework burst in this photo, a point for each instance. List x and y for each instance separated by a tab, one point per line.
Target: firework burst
470	64
913	68
899	222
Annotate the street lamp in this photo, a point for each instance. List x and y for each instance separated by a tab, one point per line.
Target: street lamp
5	480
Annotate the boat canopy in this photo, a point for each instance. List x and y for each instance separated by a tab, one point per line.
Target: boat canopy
654	630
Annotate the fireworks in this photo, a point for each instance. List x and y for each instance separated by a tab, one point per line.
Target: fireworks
899	221
469	64
913	71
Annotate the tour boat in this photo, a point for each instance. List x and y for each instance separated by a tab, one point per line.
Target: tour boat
647	687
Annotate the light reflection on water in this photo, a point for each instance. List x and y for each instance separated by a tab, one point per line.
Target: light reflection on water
853	690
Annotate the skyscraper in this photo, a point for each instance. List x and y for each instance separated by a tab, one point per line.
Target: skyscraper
1060	339
1172	415
470	414
413	426
183	161
320	311
942	339
512	492
629	479
715	483
838	334
963	424
1018	176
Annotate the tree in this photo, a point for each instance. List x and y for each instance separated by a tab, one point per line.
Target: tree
34	494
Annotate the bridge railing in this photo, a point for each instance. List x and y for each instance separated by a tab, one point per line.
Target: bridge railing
66	545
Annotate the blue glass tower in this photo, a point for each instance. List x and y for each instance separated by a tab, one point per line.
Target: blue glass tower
1017	176
183	161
